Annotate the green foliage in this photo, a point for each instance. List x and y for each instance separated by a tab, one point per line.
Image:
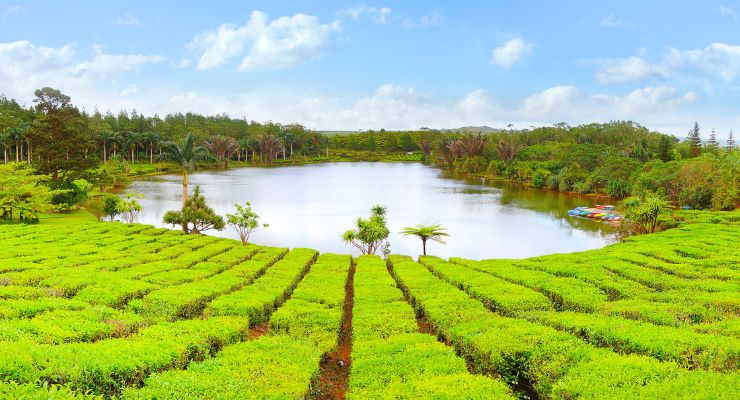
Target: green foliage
23	192
195	216
643	212
129	207
57	134
371	234
111	205
540	178
617	188
244	221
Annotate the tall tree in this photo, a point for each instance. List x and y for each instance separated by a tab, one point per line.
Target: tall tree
185	155
5	141
102	132
222	148
270	146
713	144
664	148
425	233
57	134
695	139
730	141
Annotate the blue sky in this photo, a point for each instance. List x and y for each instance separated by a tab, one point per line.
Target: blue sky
397	65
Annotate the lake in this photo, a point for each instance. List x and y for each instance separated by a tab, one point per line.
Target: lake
312	205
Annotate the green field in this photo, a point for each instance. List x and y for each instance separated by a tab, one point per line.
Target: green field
110	310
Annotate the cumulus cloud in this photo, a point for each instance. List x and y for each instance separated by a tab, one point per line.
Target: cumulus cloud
511	53
28	66
262	44
716	61
630	69
726	11
394	106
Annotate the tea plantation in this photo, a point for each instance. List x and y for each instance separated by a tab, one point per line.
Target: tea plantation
107	310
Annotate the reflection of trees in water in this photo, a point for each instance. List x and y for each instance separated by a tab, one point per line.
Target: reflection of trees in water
549	202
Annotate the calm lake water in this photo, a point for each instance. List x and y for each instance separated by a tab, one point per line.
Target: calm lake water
312	205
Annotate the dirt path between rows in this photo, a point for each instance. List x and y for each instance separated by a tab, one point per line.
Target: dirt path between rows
333	378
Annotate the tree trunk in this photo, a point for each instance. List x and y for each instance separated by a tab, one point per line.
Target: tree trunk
151	154
16	153
105	153
291	149
184	188
29	154
5	154
424	246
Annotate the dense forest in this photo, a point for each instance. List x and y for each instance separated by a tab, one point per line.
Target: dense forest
67	148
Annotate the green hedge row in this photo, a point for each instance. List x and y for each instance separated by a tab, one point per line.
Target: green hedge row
497	294
565	292
532	357
681	345
258	300
107	366
391	359
280	365
188	300
60	326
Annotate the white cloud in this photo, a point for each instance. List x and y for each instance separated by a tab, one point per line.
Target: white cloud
726	11
569	103
379	14
630	69
12	10
126	20
264	44
91	77
393	106
612	22
718	60
510	53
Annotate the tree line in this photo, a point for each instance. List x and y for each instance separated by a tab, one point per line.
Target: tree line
70	148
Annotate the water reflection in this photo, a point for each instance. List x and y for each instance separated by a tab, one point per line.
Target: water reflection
310	206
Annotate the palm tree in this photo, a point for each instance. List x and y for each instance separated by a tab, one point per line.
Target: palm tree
469	145
132	140
426	232
105	137
508	149
270	146
185	155
222	148
5	142
150	138
17	135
